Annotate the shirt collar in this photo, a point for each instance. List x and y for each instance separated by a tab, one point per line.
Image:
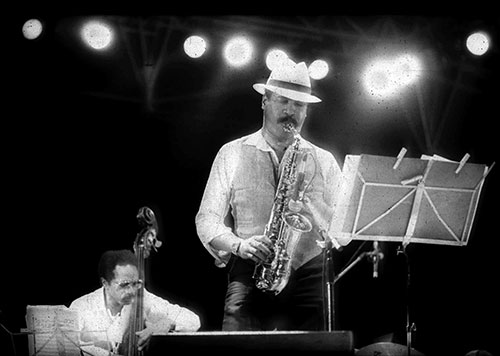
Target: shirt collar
105	306
257	139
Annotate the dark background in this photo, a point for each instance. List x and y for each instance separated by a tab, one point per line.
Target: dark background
83	148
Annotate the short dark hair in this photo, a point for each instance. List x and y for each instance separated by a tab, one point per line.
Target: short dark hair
112	258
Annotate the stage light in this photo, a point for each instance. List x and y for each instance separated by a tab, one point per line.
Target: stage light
377	78
238	51
406	69
386	77
275	58
195	46
97	35
318	69
478	43
32	29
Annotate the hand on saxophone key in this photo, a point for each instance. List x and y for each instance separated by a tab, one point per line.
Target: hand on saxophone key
256	248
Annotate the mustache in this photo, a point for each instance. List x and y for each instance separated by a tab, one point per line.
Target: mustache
286	119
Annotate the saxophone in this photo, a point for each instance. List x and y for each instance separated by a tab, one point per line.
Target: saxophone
286	224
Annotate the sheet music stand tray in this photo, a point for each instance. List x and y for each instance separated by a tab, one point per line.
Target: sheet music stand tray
428	200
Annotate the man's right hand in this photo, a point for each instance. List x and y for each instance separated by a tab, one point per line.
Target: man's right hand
256	248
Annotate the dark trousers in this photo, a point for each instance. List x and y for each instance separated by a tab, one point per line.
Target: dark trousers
299	306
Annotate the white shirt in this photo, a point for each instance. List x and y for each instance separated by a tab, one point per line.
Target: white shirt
241	187
101	331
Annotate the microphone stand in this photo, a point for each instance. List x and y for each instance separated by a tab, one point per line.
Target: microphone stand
353	263
329	244
374	256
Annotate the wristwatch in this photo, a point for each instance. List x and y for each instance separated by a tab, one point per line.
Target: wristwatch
235	247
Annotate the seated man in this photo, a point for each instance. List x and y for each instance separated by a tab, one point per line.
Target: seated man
104	313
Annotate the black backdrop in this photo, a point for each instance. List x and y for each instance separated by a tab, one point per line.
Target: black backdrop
78	164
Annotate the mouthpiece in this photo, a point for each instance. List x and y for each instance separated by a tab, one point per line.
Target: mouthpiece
289	127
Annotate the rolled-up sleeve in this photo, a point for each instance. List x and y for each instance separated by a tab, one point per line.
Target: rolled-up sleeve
333	178
322	208
159	311
211	219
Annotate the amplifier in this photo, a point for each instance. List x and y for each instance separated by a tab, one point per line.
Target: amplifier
258	343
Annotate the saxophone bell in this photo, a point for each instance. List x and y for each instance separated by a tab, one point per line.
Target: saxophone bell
298	222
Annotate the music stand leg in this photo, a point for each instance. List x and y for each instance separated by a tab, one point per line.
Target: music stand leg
410	327
332	279
330	298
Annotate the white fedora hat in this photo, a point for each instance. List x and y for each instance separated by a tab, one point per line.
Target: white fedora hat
290	80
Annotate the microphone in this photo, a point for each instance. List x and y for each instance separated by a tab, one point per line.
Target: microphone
376	255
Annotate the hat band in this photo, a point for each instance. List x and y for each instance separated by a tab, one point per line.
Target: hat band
288	85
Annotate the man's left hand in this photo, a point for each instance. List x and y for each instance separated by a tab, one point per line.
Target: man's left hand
157	328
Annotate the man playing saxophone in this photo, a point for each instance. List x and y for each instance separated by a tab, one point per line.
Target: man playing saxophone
268	197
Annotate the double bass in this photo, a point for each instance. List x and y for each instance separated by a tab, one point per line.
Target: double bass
145	240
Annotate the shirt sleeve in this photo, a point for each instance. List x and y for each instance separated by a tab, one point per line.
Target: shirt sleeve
76	305
333	181
211	219
89	345
323	210
166	316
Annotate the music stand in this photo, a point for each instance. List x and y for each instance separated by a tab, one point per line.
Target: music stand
52	331
423	200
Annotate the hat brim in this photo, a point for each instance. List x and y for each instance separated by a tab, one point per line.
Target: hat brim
287	93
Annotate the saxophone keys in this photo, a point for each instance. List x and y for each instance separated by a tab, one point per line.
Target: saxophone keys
295	205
